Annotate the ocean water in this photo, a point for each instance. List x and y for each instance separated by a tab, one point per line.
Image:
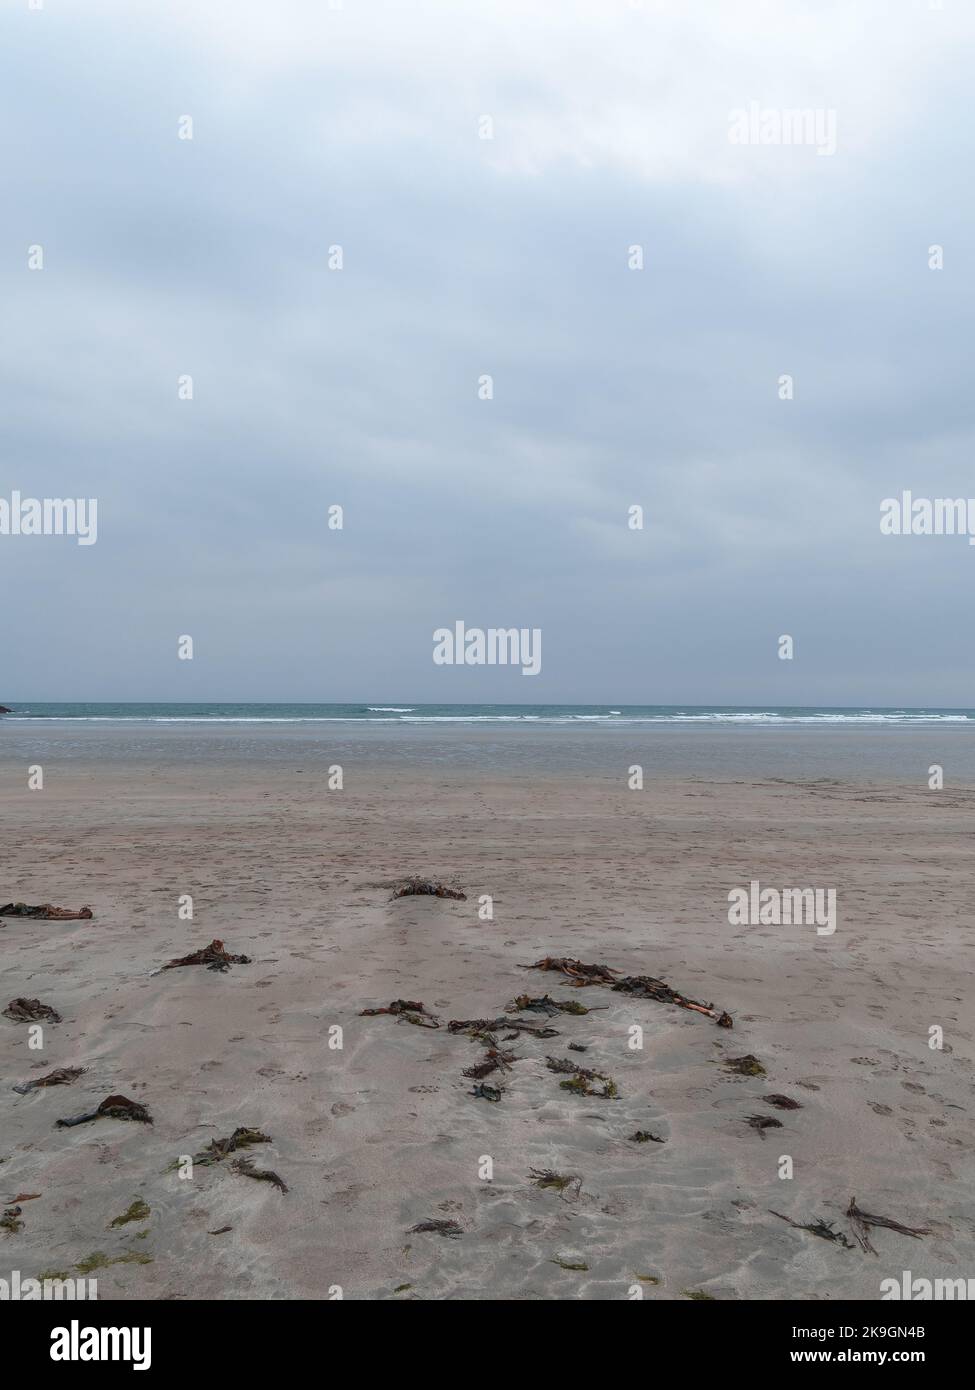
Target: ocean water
669	741
404	713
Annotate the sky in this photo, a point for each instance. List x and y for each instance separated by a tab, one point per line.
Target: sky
362	125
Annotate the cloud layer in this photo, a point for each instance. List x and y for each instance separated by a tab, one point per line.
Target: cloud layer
359	126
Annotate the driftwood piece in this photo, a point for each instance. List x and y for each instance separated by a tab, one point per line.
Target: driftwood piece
861	1221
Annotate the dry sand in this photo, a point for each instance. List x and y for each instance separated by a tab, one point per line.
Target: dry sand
383	1133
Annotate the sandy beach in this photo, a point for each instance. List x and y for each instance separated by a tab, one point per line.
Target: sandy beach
382	1132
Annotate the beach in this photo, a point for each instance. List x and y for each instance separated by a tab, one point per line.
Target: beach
372	1123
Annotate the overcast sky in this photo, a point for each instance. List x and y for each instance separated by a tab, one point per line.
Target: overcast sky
359	126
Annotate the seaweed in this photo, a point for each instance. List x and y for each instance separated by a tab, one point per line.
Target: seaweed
483	1027
643	1136
569	1264
782	1102
137	1211
581	1085
421	887
408	1010
214	957
484	1092
641	986
113	1108
819	1227
437	1227
763	1122
245	1167
495	1060
581	1078
219	1149
647	987
60	1076
99	1260
545	1004
10	1220
31	1011
574	970
548	1180
744	1066
46	912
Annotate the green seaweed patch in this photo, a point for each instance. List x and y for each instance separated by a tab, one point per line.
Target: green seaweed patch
648	1278
546	1178
583	1086
59	1274
569	1264
401	1288
745	1066
699	1296
99	1260
138	1211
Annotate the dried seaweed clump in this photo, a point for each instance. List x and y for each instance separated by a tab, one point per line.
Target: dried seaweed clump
112	1108
60	1076
819	1227
782	1102
218	1149
31	1011
575	970
409	1010
46	912
583	1081
763	1122
437	1227
425	888
214	957
548	1180
647	987
524	1003
245	1167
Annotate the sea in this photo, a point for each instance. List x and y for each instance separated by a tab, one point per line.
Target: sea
899	744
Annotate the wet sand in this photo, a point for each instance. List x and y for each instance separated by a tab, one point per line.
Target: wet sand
381	1133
